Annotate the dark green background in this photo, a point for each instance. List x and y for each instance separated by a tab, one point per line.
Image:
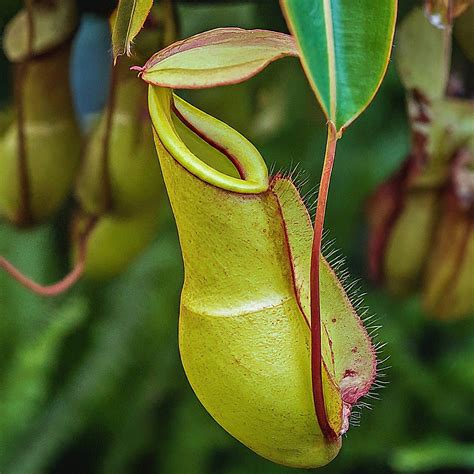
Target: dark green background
91	382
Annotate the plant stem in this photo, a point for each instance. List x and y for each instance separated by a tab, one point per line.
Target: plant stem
61	286
24	216
316	357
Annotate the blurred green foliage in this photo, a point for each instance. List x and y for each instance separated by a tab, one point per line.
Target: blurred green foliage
92	382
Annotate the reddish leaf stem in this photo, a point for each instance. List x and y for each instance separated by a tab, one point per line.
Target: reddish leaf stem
61	286
316	357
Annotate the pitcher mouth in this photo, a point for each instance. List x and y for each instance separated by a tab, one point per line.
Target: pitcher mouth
242	168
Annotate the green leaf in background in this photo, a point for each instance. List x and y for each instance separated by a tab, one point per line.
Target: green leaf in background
26	382
345	46
436	454
129	20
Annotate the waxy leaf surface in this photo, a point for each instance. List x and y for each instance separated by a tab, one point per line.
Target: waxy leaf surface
129	20
345	46
244	327
218	57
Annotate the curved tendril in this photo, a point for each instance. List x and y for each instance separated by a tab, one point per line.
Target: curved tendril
316	357
61	286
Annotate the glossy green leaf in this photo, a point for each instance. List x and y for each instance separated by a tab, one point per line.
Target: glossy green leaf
218	57
345	47
129	20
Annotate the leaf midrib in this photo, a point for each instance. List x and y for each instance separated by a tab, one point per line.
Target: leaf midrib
331	59
129	28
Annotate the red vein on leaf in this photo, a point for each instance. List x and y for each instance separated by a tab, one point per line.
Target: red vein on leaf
289	250
316	357
61	286
222	149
